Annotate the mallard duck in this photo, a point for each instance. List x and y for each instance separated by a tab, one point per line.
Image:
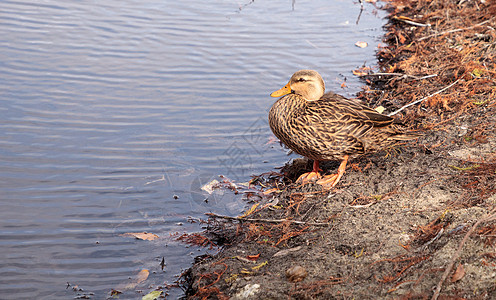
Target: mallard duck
327	126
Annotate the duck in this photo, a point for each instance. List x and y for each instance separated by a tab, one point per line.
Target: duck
327	126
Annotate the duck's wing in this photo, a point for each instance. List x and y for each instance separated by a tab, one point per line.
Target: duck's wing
335	114
355	109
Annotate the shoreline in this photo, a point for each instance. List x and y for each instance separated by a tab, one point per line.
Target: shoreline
415	222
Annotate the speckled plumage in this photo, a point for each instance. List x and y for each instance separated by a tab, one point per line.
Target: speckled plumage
328	126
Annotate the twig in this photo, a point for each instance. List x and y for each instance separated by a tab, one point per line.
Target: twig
363	206
412	22
266	220
400	74
490	216
426	76
454	30
361	10
385	74
433	239
420	100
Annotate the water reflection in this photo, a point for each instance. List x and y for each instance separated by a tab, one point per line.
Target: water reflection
110	109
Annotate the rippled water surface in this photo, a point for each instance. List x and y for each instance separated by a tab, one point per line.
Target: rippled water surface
114	113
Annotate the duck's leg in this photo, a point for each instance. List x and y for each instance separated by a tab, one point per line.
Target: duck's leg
310	176
333	179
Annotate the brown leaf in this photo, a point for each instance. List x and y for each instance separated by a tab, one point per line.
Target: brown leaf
240	258
405	18
459	273
359	73
253	257
287	251
142	235
142	275
362	71
391	69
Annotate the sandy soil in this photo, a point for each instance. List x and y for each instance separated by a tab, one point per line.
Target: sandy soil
414	222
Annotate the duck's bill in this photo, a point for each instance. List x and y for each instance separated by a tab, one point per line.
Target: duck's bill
284	91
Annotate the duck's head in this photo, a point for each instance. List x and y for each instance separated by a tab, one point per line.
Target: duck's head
306	83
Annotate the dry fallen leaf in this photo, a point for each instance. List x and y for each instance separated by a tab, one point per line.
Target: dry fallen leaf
251	210
405	18
459	273
361	44
246	260
142	235
209	187
152	295
259	266
253	257
142	276
391	69
362	71
379	109
287	251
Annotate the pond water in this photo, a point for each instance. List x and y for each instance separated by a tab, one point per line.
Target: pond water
114	113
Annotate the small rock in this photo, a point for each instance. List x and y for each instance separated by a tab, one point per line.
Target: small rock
296	273
248	291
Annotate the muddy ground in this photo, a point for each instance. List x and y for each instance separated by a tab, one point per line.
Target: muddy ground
417	221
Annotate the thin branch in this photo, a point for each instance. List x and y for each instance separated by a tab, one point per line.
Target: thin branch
361	10
489	217
266	220
420	100
426	76
385	74
399	74
455	30
411	22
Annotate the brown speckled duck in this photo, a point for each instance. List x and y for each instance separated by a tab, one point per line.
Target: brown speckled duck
327	126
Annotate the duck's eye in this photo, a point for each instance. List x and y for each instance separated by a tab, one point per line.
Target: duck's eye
301	79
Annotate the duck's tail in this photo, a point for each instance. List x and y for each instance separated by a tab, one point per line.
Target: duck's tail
405	136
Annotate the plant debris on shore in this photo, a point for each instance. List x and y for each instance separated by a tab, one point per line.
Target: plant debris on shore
415	222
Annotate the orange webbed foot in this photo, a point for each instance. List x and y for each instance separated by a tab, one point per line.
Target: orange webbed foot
330	181
308	177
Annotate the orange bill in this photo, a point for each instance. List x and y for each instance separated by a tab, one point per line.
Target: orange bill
284	91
